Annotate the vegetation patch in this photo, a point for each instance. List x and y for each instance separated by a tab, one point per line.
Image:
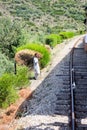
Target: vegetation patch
53	40
21	79
25	57
9	83
39	48
66	35
8	94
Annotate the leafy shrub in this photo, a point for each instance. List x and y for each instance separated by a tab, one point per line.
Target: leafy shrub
21	78
53	40
80	32
59	39
9	83
12	34
8	94
6	66
66	35
39	48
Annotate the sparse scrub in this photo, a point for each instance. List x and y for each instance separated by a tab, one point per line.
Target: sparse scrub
31	10
8	94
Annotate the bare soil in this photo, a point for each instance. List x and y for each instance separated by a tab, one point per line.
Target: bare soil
8	115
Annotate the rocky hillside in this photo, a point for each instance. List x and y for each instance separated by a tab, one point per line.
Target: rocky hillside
46	16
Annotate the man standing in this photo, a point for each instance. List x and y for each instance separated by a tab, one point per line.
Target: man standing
36	66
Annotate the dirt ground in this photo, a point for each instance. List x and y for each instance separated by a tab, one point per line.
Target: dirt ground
8	115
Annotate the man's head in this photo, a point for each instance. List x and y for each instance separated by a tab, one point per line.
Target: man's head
36	55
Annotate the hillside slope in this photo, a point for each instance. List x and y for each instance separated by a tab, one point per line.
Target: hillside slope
46	15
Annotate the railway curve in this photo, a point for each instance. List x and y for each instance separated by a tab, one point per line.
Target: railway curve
50	106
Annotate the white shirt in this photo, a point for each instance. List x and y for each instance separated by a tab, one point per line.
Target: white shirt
85	38
36	65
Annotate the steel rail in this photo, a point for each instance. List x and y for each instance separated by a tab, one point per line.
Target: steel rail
72	85
72	90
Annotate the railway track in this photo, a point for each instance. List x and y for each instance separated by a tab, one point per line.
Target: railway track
62	96
80	91
73	101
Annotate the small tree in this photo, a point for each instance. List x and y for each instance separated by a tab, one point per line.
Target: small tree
12	35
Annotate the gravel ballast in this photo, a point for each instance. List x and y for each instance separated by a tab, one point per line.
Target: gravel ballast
40	114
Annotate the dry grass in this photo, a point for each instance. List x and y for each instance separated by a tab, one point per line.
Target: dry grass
25	57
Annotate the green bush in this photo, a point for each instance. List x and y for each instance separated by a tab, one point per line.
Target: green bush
53	40
66	35
39	48
6	66
12	35
59	39
22	77
80	32
9	83
8	94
